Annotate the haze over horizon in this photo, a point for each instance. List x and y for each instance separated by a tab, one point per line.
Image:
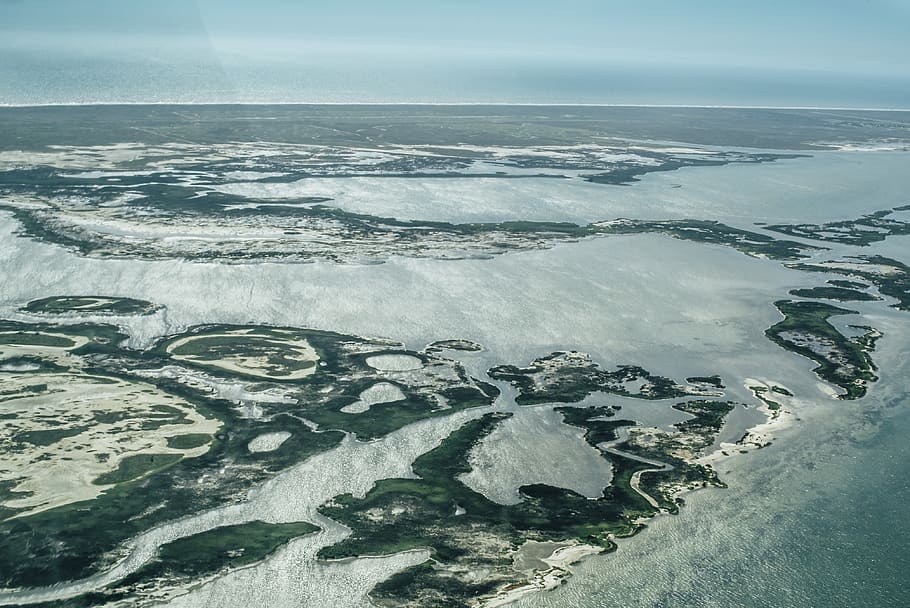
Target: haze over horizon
706	52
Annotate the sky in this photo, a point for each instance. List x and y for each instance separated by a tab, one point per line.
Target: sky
701	52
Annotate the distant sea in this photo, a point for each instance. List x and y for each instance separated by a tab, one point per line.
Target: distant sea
35	77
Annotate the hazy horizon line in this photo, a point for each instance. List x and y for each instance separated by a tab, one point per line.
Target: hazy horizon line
452	103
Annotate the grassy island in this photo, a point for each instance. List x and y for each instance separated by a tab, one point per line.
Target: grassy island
843	361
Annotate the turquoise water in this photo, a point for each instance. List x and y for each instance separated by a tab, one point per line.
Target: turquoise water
855	549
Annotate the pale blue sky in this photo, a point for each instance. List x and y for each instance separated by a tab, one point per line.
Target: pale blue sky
774	52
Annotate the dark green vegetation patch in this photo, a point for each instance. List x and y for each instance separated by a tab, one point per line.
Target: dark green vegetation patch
715	233
188	441
572	376
35	338
184	561
227	546
715	380
843	361
624	175
891	277
841	294
863	231
46	437
708	416
136	466
95	305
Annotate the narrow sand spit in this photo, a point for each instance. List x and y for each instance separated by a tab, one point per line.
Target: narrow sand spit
760	435
543	579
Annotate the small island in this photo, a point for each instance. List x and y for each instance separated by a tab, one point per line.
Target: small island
95	305
843	361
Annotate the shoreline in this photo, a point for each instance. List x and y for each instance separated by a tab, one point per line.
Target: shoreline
543	580
762	434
